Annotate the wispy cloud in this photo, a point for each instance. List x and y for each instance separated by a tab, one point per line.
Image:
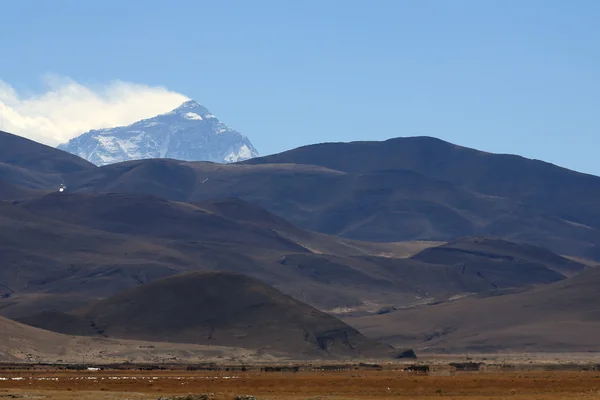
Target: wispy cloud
67	108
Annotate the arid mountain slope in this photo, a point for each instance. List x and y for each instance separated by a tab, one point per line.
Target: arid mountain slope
149	216
32	165
563	316
218	308
533	182
565	194
44	256
25	344
27	154
121	228
63	250
397	190
10	191
485	253
59	261
392	205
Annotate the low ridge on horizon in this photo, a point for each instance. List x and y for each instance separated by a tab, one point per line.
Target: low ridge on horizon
188	133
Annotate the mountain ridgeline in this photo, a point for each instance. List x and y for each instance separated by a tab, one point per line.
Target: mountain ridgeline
398	238
189	132
417	188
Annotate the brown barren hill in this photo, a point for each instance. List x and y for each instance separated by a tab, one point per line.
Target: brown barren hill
563	316
474	252
223	309
21	343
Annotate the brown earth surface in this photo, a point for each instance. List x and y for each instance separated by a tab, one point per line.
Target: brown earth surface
21	343
348	384
563	316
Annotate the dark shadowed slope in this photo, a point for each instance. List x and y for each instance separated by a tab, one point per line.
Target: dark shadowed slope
222	309
402	282
86	247
471	252
239	210
44	256
401	189
503	175
171	179
65	249
28	164
10	191
566	194
150	216
393	205
51	264
563	316
379	205
27	154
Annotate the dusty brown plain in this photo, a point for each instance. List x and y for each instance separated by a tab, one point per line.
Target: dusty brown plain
349	384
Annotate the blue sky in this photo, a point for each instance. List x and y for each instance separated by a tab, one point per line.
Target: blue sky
506	76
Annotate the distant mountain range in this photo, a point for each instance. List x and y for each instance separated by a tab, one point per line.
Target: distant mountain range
415	188
350	229
189	132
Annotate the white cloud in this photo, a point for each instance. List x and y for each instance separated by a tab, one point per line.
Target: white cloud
67	109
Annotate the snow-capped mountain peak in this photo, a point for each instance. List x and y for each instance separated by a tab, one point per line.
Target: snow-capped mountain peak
189	106
189	132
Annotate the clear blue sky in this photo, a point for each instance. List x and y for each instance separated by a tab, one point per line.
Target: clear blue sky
514	76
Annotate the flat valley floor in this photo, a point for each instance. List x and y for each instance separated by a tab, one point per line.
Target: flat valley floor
349	384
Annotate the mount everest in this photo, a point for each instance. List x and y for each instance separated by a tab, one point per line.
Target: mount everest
189	132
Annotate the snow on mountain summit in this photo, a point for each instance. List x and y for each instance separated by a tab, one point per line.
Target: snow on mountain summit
189	132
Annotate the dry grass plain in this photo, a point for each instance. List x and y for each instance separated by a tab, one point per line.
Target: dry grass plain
391	382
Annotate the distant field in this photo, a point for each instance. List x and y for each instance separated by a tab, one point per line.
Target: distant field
353	383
